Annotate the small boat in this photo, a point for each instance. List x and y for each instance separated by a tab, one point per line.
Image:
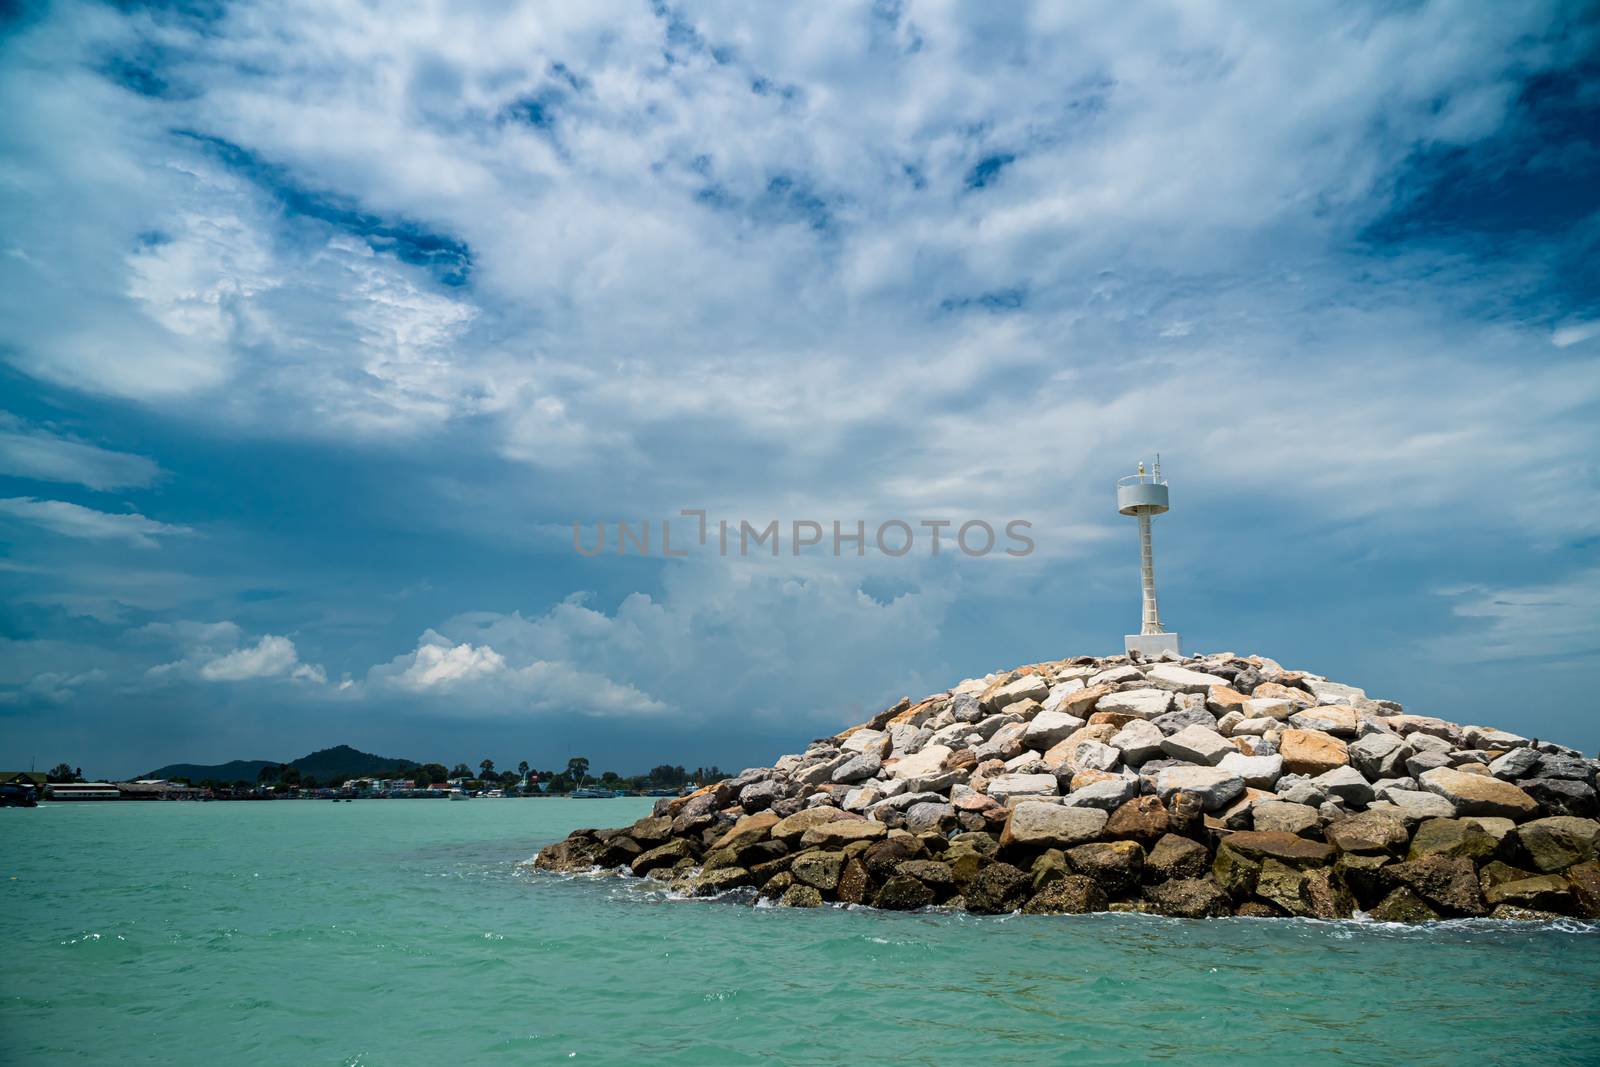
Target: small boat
460	794
592	792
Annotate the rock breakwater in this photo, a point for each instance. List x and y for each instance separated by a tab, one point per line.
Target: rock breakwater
1208	786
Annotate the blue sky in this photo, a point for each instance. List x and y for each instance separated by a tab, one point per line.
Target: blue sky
321	323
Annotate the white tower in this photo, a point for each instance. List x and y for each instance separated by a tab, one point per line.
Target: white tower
1143	495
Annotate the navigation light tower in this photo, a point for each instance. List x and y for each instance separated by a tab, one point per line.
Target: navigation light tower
1143	495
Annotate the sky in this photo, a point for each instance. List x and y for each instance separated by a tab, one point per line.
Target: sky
322	324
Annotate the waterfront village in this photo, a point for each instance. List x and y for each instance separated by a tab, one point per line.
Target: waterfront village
403	780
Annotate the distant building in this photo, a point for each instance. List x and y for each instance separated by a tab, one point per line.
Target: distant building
37	779
82	791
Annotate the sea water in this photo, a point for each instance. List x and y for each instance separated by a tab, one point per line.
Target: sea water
410	932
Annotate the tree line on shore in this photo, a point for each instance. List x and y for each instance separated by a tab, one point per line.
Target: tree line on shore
283	778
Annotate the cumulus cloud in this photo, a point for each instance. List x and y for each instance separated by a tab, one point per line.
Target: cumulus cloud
797	643
436	662
216	652
77	521
477	680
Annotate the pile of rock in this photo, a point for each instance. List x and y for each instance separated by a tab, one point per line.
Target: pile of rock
1213	785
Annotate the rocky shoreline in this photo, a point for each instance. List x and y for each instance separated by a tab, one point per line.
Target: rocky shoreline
1207	786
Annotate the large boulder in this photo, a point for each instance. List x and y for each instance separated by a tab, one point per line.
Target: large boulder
1311	752
1036	824
1197	744
1177	857
792	828
667	855
1448	883
820	870
1452	837
1215	787
1558	842
1479	794
747	831
1118	866
1259	772
1072	894
1290	849
1048	728
1403	906
1010	787
1283	816
1368	831
1140	703
1027	687
1379	755
929	761
1189	898
1138	741
1108	794
1182	679
902	892
1142	819
998	888
841	832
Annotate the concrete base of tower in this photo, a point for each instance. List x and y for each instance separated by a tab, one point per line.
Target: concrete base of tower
1151	646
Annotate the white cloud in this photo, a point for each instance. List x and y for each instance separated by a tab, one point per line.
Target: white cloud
438	663
476	680
34	452
77	521
216	652
1574	333
768	642
1547	620
52	687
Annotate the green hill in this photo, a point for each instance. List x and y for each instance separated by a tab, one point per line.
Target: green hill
326	765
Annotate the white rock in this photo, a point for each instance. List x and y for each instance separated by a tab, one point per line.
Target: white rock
1028	687
929	761
1216	787
1107	795
1092	756
973	686
1145	703
1270	708
1009	786
1328	692
1255	727
1049	727
1197	745
1415	804
1228	721
1138	741
1005	743
903	736
1484	737
1261	772
867	741
1116	675
1182	679
1060	691
1345	783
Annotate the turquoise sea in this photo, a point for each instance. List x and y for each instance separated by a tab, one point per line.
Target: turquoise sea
404	932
